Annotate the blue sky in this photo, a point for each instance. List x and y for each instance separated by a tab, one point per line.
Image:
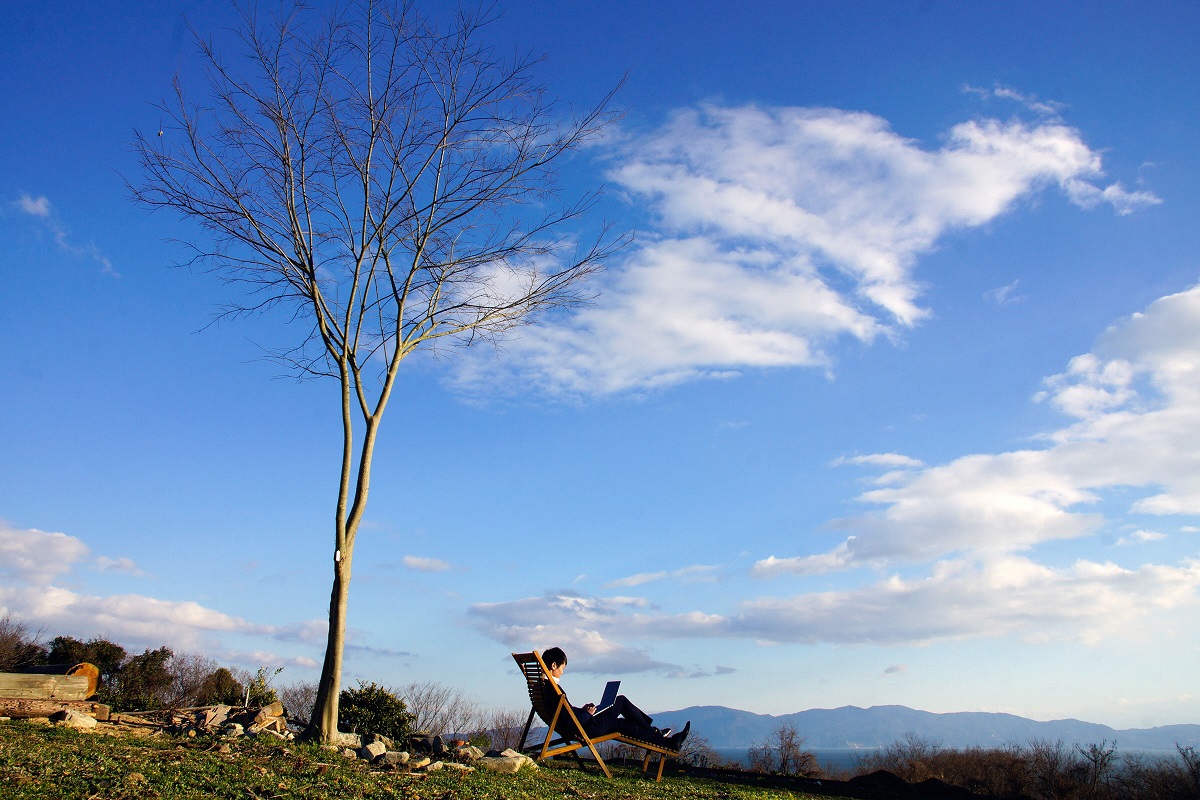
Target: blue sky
892	400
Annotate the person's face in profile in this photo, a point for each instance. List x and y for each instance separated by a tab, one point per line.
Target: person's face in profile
556	670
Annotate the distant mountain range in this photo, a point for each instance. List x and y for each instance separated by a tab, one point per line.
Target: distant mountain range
850	726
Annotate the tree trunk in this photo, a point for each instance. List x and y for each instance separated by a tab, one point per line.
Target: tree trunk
18	708
324	722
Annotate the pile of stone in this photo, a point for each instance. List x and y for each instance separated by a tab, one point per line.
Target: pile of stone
426	754
223	720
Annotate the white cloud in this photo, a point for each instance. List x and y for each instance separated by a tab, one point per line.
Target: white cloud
965	532
1125	202
33	556
123	564
804	565
34	206
779	231
960	599
1135	401
32	562
1049	108
581	625
1141	537
893	460
1004	295
423	564
124	618
695	572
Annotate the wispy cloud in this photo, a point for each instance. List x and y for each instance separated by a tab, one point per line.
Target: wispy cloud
123	564
1004	295
1141	537
34	206
891	460
960	599
426	564
779	231
40	208
1047	108
695	572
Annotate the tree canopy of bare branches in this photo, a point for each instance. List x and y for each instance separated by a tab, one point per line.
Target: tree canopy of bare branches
388	183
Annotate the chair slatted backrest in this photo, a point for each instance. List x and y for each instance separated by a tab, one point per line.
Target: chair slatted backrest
544	694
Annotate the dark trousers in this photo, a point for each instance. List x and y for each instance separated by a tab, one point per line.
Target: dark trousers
625	718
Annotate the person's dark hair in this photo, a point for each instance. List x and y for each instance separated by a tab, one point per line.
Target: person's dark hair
554	655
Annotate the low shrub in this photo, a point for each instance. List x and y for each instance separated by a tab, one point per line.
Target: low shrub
373	709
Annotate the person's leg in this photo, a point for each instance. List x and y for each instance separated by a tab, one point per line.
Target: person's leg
600	724
623	708
643	733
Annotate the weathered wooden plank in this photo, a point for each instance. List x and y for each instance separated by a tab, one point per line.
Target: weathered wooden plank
44	687
90	671
18	708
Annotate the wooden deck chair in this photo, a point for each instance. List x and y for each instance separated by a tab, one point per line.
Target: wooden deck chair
550	703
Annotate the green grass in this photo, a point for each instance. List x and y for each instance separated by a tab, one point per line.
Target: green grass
39	761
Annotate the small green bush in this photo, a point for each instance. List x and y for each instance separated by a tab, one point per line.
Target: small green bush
373	709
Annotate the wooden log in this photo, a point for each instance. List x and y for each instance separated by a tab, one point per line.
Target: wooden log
44	687
21	708
90	671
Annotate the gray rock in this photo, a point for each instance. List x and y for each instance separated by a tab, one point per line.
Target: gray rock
393	758
72	719
372	751
469	752
509	761
346	740
379	737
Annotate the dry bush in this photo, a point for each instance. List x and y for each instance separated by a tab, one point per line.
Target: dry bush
19	646
298	700
189	673
442	709
913	758
697	751
783	753
1044	770
504	726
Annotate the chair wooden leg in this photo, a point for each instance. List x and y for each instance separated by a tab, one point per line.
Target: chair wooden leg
525	731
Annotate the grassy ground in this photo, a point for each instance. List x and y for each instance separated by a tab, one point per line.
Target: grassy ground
40	761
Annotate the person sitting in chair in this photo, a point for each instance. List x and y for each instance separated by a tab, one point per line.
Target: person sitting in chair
621	717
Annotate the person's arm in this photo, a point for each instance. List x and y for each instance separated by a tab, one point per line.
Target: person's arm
583	713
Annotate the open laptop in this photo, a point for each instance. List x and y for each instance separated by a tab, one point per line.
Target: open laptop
610	696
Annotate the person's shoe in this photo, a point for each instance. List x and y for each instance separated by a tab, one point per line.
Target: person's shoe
663	732
677	740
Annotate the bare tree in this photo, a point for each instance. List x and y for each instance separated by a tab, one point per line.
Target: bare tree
19	646
188	672
387	182
783	753
442	709
1099	760
504	725
298	700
